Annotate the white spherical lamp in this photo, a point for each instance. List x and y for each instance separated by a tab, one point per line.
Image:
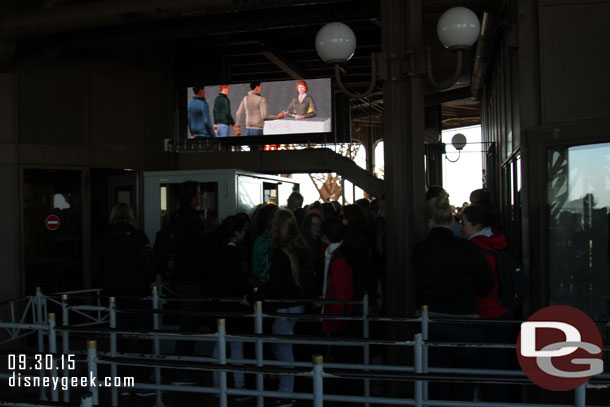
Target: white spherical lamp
458	28
458	141
335	43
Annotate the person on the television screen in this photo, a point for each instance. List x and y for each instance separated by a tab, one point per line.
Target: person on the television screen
301	106
199	120
222	113
255	107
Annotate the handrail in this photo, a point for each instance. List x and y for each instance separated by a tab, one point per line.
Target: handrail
366	371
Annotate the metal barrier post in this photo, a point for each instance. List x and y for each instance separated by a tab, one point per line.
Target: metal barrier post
418	350
99	304
258	329
53	349
157	344
580	395
86	400
43	300
113	350
425	324
318	381
222	360
65	341
92	366
38	321
367	348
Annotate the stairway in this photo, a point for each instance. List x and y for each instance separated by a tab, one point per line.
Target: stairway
285	162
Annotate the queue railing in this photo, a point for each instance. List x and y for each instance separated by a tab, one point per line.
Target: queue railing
420	374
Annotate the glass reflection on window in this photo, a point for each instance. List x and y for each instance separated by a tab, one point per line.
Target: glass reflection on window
249	196
60	202
578	211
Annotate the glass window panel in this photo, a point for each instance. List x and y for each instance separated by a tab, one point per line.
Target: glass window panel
250	195
207	204
578	216
285	189
519	174
124	196
348	192
270	193
379	160
512	182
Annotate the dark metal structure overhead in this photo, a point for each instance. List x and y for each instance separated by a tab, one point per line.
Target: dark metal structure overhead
251	41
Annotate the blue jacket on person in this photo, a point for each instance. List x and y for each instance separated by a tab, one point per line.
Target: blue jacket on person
200	123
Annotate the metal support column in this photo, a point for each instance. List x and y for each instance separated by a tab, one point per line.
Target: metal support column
403	134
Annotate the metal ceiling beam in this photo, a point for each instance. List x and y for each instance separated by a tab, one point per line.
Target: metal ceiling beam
294	70
439	98
113	13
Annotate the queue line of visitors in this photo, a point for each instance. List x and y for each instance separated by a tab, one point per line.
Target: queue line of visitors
271	255
332	252
463	283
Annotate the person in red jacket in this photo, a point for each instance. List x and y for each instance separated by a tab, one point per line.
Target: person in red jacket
338	281
338	285
476	226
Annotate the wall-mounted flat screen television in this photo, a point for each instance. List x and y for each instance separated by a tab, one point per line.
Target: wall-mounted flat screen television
260	109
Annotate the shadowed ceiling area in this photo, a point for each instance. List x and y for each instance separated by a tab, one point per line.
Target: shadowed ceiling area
236	42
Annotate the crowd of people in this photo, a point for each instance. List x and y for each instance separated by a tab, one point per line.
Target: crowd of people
456	276
320	251
333	252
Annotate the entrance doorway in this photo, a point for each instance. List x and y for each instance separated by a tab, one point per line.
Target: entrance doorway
52	229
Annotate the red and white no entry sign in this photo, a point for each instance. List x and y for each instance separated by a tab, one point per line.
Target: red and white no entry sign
52	222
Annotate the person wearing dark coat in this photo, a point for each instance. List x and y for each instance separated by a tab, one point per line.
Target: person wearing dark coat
192	279
223	121
125	256
450	275
229	281
127	274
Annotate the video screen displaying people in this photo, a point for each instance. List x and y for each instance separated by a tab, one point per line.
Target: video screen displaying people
259	108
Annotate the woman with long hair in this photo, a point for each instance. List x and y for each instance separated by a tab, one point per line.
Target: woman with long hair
311	230
262	248
286	273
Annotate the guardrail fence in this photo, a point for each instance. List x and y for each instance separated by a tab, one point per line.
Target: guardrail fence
100	321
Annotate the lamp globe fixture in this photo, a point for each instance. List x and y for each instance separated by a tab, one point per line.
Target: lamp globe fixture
458	28
335	43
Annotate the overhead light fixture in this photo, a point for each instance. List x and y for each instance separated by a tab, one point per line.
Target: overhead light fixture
458	29
336	44
458	141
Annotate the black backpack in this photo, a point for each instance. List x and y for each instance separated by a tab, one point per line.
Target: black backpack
513	281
